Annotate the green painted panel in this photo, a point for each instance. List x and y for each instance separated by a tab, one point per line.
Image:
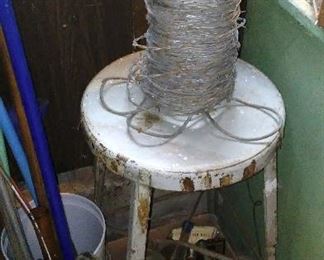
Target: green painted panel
293	58
3	155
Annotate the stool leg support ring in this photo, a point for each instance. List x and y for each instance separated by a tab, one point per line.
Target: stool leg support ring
139	218
270	208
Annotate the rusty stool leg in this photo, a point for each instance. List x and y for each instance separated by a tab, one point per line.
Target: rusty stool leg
270	208
140	205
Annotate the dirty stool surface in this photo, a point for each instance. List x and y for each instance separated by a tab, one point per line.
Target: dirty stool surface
201	157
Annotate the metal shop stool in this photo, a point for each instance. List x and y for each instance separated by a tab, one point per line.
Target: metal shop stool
199	159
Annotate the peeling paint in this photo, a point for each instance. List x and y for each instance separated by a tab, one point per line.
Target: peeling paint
121	159
270	186
103	148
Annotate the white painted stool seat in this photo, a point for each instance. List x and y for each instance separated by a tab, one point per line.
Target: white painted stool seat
202	155
200	158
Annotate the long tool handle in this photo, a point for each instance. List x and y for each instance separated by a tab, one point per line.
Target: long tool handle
45	220
26	89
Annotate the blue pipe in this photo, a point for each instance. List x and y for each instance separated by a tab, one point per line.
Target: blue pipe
25	85
16	148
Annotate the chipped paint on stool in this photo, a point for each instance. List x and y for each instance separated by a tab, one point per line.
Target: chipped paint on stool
201	158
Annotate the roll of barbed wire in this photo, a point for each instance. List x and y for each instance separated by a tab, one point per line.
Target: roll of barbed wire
188	67
192	47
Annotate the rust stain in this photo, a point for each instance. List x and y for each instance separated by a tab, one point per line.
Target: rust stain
143	213
147	121
114	166
118	163
151	119
250	170
207	181
225	181
187	184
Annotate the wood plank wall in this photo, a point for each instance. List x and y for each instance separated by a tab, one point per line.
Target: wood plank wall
67	42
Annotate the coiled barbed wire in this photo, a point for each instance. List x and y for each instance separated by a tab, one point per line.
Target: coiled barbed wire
188	66
192	48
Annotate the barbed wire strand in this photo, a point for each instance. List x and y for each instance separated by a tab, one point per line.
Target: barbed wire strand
188	66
